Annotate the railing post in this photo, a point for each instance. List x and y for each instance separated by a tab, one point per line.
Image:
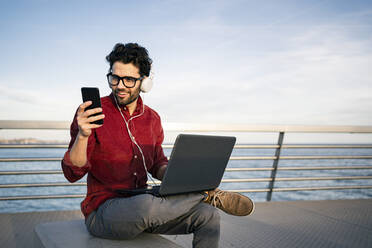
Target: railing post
275	166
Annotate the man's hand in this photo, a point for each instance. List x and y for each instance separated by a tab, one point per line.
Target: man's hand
84	121
78	153
161	171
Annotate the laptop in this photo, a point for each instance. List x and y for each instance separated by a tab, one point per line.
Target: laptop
197	163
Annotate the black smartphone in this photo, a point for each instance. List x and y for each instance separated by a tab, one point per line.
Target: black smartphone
92	94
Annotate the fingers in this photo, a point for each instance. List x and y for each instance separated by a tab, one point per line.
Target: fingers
85	118
92	126
85	127
92	112
95	118
83	106
96	125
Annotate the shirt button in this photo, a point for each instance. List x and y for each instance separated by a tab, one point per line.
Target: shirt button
135	173
135	156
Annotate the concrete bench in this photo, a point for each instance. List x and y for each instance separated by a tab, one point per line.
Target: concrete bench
74	234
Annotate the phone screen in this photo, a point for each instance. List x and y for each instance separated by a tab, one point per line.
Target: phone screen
92	94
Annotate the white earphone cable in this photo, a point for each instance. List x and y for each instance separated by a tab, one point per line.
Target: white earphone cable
132	137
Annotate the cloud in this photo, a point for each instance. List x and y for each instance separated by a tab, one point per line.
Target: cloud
220	64
43	104
19	95
317	73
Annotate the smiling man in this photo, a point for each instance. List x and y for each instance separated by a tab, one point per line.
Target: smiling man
126	93
120	153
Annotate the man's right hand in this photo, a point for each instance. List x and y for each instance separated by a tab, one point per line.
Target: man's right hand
84	118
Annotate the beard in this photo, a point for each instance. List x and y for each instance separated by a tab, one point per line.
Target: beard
131	97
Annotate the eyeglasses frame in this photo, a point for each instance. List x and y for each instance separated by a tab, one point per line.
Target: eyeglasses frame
122	80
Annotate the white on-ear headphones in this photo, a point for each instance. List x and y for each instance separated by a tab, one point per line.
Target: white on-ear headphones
147	83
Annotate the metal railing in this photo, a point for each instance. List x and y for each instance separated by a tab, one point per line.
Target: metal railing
281	130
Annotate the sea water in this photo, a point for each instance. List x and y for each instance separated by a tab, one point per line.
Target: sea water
74	203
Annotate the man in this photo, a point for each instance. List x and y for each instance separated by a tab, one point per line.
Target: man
117	155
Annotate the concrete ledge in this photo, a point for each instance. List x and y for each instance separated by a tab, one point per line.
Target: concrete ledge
74	234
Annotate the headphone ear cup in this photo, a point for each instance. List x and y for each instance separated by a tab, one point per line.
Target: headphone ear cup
146	84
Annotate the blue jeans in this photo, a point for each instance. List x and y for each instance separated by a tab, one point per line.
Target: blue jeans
125	218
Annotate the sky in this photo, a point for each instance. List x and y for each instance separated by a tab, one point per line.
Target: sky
251	62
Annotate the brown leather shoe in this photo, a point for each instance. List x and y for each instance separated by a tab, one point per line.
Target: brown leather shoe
230	202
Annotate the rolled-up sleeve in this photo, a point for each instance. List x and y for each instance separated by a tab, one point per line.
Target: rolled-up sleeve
70	171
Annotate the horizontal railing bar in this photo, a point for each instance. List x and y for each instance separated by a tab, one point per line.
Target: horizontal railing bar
35	197
167	146
323	188
239	180
326	146
242	146
42	172
326	168
253	158
302	168
232	158
326	157
59	159
27	185
298	157
300	189
55	184
24	146
199	127
38	197
246	190
249	169
31	172
29	146
322	178
246	180
233	190
196	127
29	159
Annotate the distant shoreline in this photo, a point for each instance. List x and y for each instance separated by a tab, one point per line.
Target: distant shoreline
26	141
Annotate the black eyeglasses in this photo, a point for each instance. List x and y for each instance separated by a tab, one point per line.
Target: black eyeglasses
128	82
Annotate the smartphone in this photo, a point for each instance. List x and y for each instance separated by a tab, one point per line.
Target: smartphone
92	94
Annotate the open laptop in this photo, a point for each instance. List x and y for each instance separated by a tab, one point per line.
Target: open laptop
197	163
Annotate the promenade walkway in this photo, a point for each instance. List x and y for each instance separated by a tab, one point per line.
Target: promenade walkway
331	223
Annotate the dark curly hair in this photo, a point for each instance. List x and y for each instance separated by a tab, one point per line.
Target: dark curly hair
131	53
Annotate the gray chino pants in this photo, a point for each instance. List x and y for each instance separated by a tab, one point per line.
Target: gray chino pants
125	218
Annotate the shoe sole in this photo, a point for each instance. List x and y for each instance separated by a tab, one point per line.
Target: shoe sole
253	208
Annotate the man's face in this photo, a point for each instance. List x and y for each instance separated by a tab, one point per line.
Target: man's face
125	95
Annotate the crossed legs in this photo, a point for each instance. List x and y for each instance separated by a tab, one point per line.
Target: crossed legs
125	218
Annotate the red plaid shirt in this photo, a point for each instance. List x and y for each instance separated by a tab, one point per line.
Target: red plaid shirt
114	161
